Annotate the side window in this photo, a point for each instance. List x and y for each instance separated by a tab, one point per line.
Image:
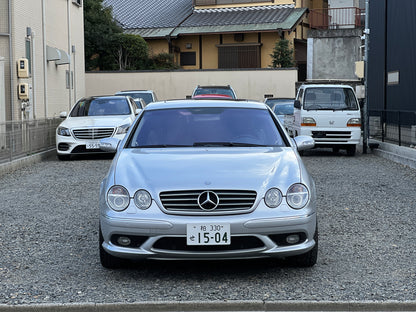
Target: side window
300	95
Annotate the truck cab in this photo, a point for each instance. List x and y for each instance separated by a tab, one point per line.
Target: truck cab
330	114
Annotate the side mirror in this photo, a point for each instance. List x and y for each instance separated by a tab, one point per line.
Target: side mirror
304	142
63	115
109	144
296	104
138	110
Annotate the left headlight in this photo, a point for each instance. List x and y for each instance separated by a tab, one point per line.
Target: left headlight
62	131
123	129
297	196
118	198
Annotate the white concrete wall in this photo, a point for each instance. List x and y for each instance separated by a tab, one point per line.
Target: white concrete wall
248	84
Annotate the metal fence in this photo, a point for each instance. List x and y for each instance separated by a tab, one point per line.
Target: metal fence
397	127
23	138
335	18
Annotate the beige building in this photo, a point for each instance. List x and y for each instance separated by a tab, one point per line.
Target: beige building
41	57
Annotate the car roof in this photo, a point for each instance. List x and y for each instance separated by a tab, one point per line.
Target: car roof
88	98
125	91
325	86
215	86
205	103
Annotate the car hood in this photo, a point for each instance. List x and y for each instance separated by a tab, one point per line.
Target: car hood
97	121
166	169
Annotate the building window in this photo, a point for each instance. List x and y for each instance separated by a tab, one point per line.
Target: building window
188	58
239	56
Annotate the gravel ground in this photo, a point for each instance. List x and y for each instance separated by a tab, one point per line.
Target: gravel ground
49	242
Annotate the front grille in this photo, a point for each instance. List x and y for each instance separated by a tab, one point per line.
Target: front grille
237	243
93	133
230	201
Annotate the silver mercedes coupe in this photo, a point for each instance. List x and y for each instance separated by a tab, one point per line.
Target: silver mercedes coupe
207	179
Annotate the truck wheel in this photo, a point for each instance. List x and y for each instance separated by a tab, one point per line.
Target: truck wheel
351	150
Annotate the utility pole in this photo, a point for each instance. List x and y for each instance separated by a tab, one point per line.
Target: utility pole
366	128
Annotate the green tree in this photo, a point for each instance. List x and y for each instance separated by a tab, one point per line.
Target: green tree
282	55
130	52
100	29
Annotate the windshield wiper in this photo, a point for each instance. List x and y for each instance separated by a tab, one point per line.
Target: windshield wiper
231	144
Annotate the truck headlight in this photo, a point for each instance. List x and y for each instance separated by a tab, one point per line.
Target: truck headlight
354	122
308	122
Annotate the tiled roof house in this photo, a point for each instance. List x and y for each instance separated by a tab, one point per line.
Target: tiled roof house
216	34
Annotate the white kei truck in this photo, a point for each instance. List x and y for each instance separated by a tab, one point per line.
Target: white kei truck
330	114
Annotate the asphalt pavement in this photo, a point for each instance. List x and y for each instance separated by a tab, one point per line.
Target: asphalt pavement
367	261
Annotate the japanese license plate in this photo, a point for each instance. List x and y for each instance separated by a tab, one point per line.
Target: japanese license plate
94	145
208	234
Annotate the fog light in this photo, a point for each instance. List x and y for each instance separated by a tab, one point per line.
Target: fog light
124	241
292	239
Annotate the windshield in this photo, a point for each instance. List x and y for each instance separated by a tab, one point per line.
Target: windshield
213	91
283	109
146	96
184	127
101	107
330	99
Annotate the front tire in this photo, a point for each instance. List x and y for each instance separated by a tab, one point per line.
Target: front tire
63	157
108	261
308	259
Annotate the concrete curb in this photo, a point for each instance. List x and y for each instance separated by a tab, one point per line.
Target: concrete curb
259	306
25	161
400	154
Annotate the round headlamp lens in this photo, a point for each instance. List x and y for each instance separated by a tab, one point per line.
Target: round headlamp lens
142	199
297	196
118	198
273	198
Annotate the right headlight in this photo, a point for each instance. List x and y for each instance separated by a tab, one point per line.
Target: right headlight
62	131
297	196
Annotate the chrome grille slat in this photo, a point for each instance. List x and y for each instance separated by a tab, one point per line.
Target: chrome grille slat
187	201
93	133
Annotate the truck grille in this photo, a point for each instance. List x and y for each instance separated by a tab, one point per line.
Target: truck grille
93	133
229	201
341	136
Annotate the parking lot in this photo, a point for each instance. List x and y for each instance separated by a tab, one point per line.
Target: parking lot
49	242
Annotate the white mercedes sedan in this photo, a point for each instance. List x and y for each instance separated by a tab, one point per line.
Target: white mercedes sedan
207	179
91	119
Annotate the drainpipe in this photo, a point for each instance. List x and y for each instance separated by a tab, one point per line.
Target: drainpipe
12	90
69	51
45	62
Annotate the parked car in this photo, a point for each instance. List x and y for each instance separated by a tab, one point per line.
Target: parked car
92	119
281	107
207	92
330	114
148	96
207	179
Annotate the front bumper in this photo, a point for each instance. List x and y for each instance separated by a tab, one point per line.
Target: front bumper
333	136
252	236
68	145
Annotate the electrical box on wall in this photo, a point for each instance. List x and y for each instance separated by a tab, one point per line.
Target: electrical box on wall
23	91
23	68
